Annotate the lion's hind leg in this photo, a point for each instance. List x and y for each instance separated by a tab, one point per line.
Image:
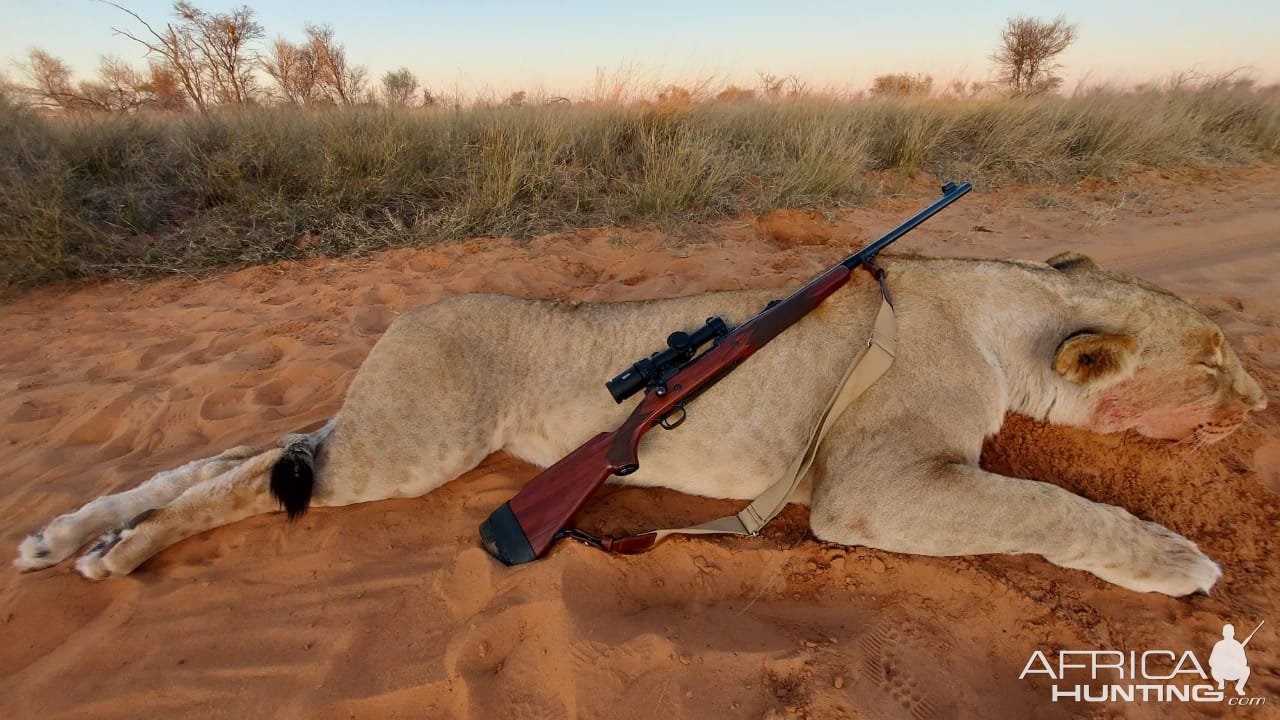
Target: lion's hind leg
67	533
239	493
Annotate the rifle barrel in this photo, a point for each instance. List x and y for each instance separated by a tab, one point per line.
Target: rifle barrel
1255	632
950	193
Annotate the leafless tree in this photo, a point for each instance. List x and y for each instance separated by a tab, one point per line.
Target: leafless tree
399	87
771	85
1025	56
118	87
315	71
295	71
177	53
49	82
776	88
208	53
344	83
222	42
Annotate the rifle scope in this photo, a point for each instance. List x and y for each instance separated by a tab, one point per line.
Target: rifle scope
681	347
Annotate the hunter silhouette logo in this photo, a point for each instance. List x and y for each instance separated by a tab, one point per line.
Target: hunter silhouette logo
1228	661
1158	675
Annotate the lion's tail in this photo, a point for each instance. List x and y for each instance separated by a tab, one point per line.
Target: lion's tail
293	477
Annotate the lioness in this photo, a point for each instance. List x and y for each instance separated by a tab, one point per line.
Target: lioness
450	383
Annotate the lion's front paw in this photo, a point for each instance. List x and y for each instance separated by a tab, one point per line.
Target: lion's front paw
1156	559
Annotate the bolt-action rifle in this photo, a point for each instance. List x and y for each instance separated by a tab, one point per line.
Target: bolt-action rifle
524	528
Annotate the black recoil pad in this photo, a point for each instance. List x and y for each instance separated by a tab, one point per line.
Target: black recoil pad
504	539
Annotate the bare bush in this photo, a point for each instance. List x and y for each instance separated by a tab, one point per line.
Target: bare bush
776	88
902	84
164	89
675	96
399	87
735	94
1025	56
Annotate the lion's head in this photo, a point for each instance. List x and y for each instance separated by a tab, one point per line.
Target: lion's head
1153	363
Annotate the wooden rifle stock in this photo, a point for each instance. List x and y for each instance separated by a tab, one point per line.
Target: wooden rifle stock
524	528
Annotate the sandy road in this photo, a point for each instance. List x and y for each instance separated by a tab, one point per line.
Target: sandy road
1178	249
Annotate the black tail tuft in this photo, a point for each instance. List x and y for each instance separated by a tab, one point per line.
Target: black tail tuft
292	479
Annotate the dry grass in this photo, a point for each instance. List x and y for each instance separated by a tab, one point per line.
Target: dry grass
131	195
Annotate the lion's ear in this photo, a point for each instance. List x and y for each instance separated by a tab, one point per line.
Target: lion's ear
1068	261
1086	357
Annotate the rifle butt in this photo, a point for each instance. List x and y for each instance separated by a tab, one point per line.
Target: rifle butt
523	529
505	539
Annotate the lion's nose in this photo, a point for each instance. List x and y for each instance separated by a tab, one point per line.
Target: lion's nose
1251	394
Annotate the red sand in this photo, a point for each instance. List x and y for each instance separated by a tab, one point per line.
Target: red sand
391	609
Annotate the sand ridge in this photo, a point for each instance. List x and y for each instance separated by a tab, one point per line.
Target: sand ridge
391	609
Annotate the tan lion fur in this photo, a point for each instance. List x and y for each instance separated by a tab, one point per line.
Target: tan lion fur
1063	341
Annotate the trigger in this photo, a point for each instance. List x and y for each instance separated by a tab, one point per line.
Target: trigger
672	420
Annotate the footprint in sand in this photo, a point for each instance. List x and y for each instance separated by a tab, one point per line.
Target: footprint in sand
145	408
31	410
114	366
223	404
889	664
258	356
271	393
159	353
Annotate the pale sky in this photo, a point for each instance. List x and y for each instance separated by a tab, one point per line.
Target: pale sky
495	47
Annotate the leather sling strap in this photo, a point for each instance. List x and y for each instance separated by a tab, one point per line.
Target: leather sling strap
871	362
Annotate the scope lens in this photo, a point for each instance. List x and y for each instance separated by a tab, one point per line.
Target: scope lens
625	385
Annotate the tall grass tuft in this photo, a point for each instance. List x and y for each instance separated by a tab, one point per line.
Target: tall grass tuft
132	195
